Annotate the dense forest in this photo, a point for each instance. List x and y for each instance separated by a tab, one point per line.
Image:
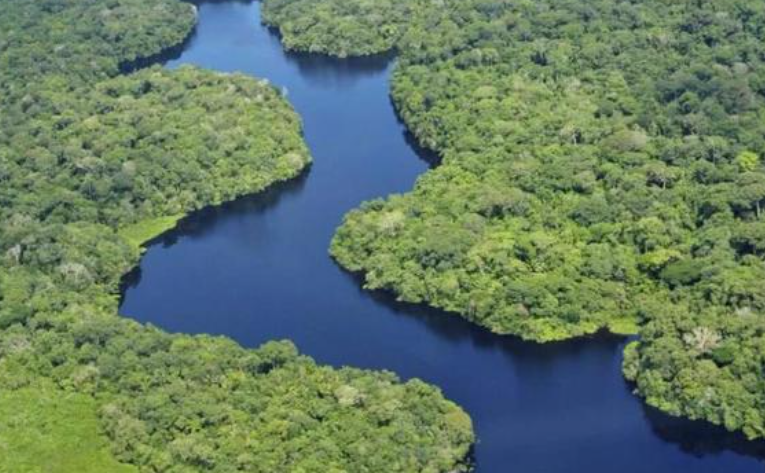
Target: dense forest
339	28
92	164
600	170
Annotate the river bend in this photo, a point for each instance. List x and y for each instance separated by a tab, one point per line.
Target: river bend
258	269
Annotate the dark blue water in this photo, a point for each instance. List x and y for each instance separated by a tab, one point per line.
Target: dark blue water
258	269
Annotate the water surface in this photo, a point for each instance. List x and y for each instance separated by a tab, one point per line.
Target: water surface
258	269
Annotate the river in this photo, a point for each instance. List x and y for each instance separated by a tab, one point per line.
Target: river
258	269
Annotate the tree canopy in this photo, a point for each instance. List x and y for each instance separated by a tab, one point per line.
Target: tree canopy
92	164
600	170
339	27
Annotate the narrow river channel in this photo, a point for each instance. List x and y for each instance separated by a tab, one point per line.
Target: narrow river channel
258	269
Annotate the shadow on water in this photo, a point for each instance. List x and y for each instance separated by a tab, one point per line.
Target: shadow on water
432	158
197	223
328	69
560	407
696	438
162	57
453	327
700	438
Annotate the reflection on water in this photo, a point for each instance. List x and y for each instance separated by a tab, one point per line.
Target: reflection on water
700	438
336	72
198	223
257	269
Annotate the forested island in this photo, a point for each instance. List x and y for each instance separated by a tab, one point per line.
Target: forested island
93	163
600	170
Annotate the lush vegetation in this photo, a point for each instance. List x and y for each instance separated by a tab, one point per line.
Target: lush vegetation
339	27
38	434
125	151
601	169
61	43
92	164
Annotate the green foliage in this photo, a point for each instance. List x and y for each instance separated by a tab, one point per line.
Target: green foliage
748	161
704	365
600	169
49	42
140	232
182	403
123	152
41	427
92	164
339	27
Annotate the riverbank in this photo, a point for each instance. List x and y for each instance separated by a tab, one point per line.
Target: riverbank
264	259
86	152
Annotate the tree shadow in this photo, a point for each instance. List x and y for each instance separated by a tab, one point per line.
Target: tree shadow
428	155
697	438
200	222
700	438
163	57
455	328
327	69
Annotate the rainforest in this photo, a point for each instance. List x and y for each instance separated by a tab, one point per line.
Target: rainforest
563	185
601	170
92	164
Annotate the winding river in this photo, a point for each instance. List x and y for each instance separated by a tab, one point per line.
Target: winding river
258	269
